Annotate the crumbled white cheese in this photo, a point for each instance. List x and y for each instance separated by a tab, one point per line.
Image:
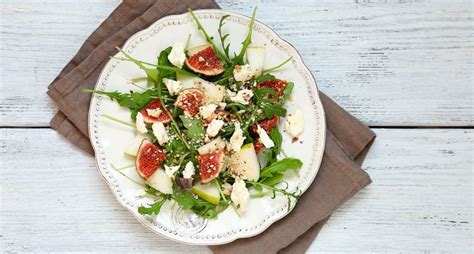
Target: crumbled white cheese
294	123
226	188
177	56
188	171
160	133
170	170
243	72
264	138
243	96
216	144
237	139
240	194
214	127
154	112
207	110
222	105
140	124
173	86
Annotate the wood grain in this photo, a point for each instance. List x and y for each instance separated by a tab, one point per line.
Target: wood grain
390	63
420	199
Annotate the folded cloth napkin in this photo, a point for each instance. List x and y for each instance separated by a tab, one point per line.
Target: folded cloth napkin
338	179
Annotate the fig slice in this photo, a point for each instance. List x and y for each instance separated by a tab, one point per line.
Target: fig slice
189	101
155	113
276	84
149	159
161	182
210	165
205	62
266	124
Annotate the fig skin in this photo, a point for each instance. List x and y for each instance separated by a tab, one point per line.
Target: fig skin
205	62
149	159
210	165
189	101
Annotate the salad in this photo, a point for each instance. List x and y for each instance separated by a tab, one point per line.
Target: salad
207	123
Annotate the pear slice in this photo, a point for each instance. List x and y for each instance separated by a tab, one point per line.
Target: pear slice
245	163
212	93
208	192
134	145
256	58
161	181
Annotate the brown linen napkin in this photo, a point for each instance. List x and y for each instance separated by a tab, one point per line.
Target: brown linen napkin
339	177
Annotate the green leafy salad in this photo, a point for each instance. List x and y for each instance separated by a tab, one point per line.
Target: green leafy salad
207	126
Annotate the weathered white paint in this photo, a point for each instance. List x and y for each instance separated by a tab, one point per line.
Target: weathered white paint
404	63
53	199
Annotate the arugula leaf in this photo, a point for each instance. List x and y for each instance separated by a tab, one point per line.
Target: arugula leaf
272	181
280	167
279	65
151	73
209	39
265	77
269	106
184	199
239	59
224	37
195	129
273	110
163	61
175	150
134	101
264	92
154	208
277	139
150	190
296	194
287	92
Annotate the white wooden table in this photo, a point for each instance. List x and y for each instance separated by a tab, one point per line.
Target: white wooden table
396	65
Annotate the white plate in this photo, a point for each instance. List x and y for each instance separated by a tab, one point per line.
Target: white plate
109	139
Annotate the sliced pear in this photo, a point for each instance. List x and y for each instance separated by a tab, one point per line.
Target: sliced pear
134	145
212	93
208	192
161	181
187	81
216	144
195	49
245	163
256	58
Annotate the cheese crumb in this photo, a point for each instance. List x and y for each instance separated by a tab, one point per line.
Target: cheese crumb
237	139
240	194
154	112
243	96
243	72
170	170
140	124
264	138
177	56
226	188
188	171
294	123
173	86
160	133
222	105
214	127
207	110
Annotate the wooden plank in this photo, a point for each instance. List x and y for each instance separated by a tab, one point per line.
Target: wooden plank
388	63
420	199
